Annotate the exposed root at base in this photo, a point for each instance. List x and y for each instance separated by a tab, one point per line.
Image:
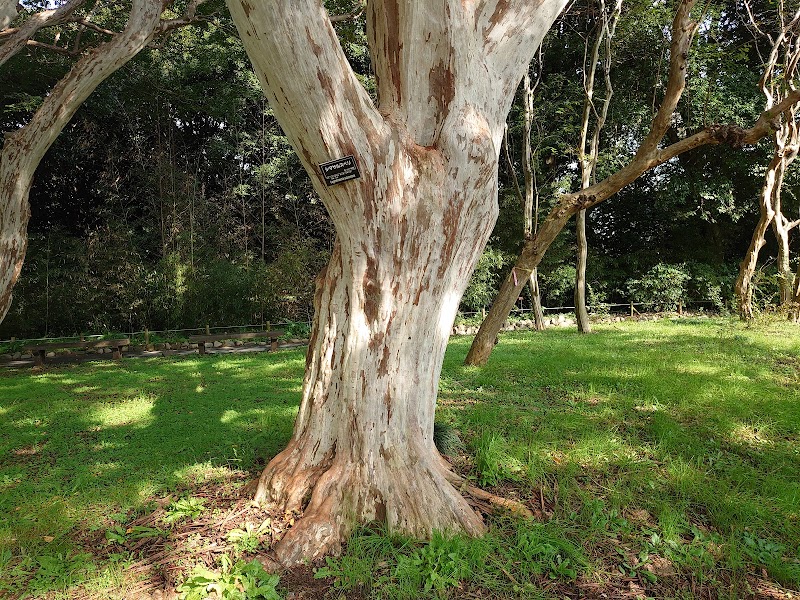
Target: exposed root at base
514	506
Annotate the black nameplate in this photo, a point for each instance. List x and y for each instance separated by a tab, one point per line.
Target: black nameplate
339	170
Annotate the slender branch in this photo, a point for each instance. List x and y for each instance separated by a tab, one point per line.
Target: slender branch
51	47
89	25
351	16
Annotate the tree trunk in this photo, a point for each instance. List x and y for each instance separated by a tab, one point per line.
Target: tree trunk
744	282
409	233
23	149
530	213
536	301
777	85
785	273
581	314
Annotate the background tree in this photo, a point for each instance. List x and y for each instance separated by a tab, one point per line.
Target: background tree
24	148
779	72
648	156
589	145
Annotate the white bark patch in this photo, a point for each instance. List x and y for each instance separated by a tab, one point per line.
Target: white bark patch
8	12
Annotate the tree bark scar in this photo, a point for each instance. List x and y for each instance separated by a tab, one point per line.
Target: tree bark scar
383	366
247	7
326	83
442	84
500	10
371	289
315	48
394	46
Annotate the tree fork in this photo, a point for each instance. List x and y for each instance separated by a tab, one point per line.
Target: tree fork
409	233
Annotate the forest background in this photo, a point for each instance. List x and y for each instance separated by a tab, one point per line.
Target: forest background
173	200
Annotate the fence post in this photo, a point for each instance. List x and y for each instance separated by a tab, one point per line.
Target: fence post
83	337
680	307
631	307
208	329
146	339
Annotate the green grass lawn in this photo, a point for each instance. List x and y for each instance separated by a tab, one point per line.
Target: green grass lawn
661	458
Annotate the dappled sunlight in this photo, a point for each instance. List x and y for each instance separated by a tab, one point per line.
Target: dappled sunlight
756	435
136	412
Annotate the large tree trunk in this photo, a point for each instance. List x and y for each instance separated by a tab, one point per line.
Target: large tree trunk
409	233
23	149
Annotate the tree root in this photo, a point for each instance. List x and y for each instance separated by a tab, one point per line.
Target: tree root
514	506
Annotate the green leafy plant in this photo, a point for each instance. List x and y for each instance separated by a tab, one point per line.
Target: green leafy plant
547	553
186	508
249	538
296	329
234	581
121	535
661	288
436	566
54	571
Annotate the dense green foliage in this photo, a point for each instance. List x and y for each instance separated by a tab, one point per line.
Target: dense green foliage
173	199
666	453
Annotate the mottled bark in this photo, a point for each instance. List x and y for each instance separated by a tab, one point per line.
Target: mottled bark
23	149
8	11
649	155
409	233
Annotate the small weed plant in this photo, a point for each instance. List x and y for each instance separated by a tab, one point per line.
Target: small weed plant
248	539
238	580
184	509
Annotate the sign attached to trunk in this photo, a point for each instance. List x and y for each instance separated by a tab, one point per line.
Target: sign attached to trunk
339	170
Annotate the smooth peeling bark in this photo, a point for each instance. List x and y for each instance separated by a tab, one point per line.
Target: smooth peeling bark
23	149
409	233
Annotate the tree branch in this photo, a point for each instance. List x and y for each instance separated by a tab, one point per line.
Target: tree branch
89	25
189	17
51	47
18	38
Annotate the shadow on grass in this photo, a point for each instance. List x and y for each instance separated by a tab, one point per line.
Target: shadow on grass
81	444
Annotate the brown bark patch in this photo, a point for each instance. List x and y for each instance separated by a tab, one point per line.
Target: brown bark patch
372	291
394	46
442	83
